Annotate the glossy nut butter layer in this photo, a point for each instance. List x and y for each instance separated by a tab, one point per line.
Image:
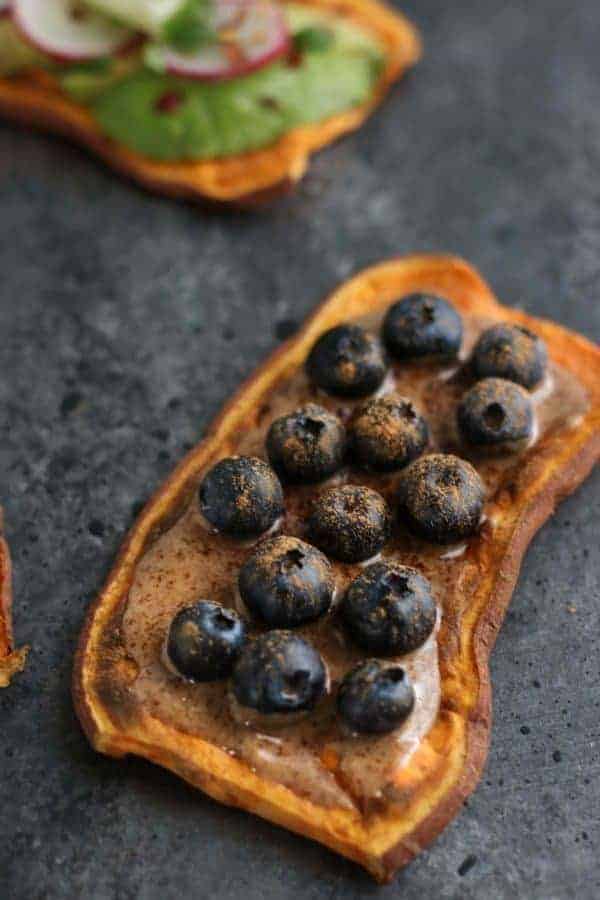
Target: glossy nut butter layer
375	799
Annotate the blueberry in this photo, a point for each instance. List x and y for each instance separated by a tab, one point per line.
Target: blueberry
241	496
422	327
205	640
350	523
307	445
348	361
286	582
374	698
387	433
389	609
496	414
441	498
511	352
279	672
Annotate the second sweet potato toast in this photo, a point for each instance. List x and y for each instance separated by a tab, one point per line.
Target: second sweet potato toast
300	621
219	100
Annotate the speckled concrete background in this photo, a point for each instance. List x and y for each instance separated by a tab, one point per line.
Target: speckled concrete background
126	321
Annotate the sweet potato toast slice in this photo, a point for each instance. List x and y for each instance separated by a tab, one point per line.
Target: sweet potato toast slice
247	179
445	767
11	660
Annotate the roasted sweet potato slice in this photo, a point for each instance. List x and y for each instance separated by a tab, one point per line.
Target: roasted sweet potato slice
11	660
428	788
247	179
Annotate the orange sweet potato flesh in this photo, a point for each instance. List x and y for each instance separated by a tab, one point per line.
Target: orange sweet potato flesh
11	660
248	179
446	767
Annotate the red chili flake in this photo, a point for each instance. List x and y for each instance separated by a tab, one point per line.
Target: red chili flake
168	102
269	103
294	58
76	12
235	55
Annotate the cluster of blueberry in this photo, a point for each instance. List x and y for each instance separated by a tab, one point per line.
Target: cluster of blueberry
388	609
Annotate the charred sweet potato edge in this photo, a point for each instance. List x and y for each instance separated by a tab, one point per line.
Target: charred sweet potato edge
447	766
248	179
11	660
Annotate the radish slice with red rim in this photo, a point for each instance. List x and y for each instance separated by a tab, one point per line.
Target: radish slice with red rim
252	33
67	31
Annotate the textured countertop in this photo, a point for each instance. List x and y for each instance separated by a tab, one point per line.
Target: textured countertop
127	320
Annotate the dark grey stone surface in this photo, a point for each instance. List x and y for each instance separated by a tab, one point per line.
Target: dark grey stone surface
127	320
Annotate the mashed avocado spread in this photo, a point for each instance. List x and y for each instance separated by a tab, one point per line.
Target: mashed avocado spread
334	67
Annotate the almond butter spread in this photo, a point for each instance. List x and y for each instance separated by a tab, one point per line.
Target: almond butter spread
188	562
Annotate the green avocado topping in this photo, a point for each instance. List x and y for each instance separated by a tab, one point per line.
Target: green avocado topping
86	81
176	119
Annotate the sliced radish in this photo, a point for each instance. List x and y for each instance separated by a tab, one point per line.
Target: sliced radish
4	8
66	31
252	33
228	13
